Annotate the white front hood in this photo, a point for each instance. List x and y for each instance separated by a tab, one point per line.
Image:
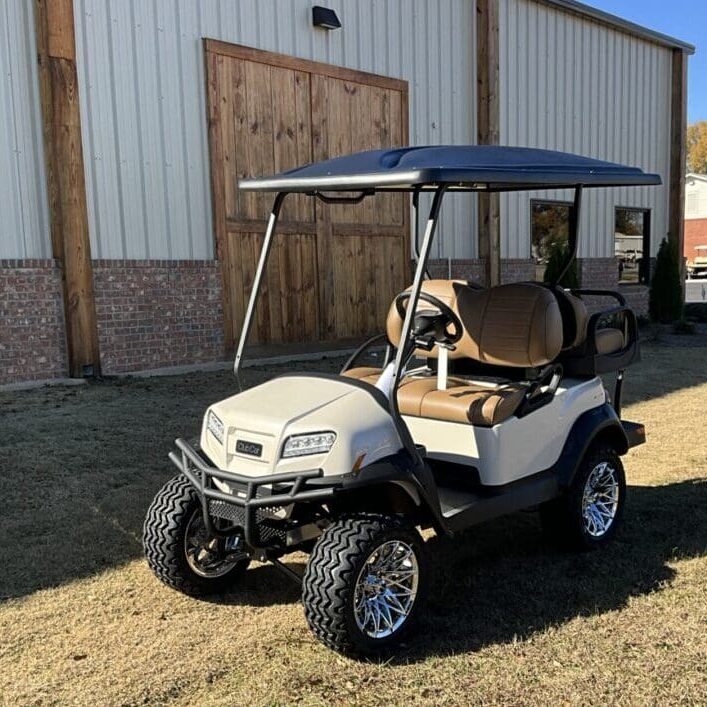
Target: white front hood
269	413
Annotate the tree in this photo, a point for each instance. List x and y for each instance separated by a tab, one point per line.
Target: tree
697	147
665	300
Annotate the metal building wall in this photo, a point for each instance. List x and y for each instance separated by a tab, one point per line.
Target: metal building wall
572	84
24	231
695	197
143	105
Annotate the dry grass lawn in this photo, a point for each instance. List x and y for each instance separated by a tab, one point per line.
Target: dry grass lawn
511	620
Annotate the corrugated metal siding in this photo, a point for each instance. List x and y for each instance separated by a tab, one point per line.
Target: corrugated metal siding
143	104
572	84
24	232
695	198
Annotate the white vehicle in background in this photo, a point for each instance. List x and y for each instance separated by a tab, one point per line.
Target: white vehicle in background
698	266
487	401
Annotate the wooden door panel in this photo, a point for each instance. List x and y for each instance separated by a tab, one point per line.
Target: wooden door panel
332	270
367	276
287	308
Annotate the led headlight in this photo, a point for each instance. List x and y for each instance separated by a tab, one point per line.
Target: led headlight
215	426
302	445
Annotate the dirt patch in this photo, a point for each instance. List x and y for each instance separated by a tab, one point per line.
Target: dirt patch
510	620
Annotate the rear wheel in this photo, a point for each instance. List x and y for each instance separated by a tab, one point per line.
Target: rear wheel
589	513
364	583
180	551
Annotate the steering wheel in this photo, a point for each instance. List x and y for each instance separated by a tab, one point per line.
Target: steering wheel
432	324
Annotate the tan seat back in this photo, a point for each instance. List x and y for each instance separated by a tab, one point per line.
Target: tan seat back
574	318
448	291
511	325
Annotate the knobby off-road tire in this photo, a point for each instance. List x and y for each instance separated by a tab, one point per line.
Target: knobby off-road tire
332	574
563	519
163	539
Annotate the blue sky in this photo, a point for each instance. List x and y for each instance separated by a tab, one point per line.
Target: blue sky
683	19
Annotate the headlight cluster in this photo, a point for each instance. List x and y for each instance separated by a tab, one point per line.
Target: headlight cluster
215	426
303	445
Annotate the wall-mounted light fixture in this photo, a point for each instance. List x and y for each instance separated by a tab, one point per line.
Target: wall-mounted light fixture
325	18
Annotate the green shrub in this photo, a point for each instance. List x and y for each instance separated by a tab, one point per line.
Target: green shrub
643	321
665	303
682	326
559	253
696	311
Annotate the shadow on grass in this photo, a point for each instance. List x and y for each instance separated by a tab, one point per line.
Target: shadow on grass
503	581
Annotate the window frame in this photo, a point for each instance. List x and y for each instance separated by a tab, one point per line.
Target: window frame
547	202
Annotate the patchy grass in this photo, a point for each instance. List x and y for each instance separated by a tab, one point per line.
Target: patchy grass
510	621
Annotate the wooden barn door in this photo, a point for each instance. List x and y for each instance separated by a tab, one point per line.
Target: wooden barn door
333	270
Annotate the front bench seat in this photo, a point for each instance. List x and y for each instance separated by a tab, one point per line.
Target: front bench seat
517	325
463	401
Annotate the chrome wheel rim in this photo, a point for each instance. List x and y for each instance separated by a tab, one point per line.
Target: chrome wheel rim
386	589
600	500
205	555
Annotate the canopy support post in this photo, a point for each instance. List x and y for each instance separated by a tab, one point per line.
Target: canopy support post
403	344
573	236
416	214
255	291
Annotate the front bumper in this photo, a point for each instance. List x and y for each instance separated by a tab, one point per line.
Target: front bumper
251	495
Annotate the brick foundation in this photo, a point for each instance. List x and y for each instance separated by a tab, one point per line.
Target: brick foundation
599	273
153	314
32	332
519	270
603	274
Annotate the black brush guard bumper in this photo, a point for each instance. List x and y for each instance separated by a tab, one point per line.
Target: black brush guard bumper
250	493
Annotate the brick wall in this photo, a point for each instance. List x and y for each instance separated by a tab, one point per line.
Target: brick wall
600	273
516	270
603	274
153	314
695	234
32	333
519	270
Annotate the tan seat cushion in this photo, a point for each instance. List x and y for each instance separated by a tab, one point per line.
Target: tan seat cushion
364	373
609	340
462	402
473	404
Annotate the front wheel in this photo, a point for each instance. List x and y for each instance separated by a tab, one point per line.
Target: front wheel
178	548
589	513
364	583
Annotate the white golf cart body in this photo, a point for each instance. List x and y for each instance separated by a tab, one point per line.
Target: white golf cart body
514	425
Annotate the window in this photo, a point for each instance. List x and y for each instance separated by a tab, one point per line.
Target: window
632	241
549	230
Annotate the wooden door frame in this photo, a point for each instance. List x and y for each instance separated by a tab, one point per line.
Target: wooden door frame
322	223
66	180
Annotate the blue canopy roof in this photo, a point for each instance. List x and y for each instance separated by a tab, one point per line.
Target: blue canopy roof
468	167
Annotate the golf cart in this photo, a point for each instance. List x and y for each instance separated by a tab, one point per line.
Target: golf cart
487	400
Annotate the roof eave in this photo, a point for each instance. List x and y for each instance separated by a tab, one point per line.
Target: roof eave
606	18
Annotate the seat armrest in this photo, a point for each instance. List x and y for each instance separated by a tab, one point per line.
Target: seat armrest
374	341
601	293
630	327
